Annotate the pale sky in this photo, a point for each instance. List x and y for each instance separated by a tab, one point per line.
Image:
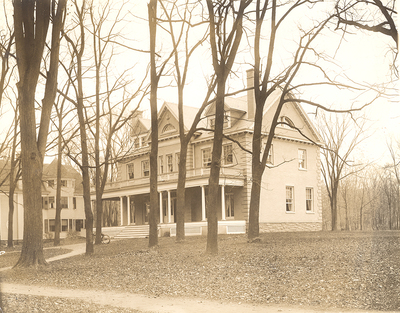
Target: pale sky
364	57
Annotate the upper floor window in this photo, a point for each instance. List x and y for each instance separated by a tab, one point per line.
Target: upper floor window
161	164
74	202
50	183
270	157
138	142
206	156
289	199
228	154
64	202
131	172
309	199
227	121
211	122
302	159
64	183
287	122
170	164
52	202
177	159
145	168
168	128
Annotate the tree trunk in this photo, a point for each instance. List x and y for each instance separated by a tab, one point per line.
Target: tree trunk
153	232
57	221
32	165
13	182
254	211
181	193
334	211
213	185
10	238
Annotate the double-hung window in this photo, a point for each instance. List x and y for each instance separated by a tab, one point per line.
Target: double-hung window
270	157
289	199
160	164
206	155
309	200
302	159
64	202
131	171
146	168
228	154
170	164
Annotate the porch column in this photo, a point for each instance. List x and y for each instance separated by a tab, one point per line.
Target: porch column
161	210
128	201
169	206
203	204
223	202
121	209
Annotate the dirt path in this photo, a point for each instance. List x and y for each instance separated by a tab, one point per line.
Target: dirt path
155	304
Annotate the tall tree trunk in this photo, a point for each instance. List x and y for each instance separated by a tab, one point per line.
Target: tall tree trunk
14	177
32	166
334	211
10	237
213	184
31	22
153	232
181	193
57	228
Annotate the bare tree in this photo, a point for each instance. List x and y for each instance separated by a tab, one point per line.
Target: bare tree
78	49
31	22
378	16
6	43
182	18
340	140
154	79
226	29
14	176
374	16
110	113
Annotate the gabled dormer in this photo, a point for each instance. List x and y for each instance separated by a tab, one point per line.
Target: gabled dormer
234	110
140	129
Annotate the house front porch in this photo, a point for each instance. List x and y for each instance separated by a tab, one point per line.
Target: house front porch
191	229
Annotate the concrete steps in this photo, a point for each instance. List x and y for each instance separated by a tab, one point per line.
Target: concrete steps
133	231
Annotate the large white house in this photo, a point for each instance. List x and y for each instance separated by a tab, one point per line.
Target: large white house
291	186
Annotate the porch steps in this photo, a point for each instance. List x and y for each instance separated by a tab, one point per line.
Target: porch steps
133	231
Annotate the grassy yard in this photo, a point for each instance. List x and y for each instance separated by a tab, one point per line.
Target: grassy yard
325	269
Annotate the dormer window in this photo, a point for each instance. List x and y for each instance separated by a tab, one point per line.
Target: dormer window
211	122
287	122
138	142
227	120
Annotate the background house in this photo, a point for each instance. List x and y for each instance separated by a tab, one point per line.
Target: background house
72	213
291	186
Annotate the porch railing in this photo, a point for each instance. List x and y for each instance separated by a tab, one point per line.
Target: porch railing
229	172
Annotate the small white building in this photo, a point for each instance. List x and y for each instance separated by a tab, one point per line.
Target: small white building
72	213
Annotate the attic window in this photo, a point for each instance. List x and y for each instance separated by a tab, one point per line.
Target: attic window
227	121
168	128
288	122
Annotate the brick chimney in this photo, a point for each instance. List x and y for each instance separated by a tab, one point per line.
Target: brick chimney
250	95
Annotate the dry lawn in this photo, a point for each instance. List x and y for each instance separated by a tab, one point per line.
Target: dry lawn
352	270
